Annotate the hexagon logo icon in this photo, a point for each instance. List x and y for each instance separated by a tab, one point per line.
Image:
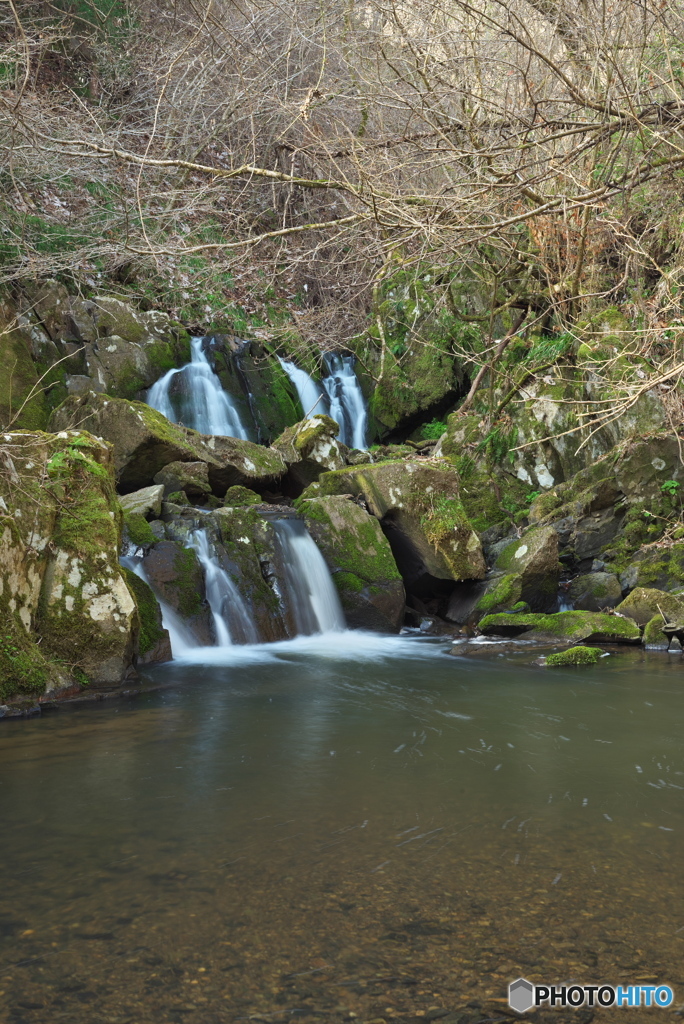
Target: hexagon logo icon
521	995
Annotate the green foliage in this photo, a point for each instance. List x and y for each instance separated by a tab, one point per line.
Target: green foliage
670	487
22	668
433	430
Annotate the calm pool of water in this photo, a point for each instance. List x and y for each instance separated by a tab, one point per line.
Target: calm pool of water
344	829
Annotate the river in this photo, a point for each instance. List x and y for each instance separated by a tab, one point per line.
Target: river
344	827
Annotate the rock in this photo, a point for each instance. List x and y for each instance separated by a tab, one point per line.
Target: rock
501	593
144	441
421	513
190	477
66	606
251	368
534	559
236	496
310	448
78	384
574	656
595	591
645	603
360	560
464	599
145	502
593	627
659	567
249	551
152	643
176	576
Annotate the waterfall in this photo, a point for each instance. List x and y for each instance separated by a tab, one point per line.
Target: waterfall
340	397
204	405
312	594
181	636
311	395
232	620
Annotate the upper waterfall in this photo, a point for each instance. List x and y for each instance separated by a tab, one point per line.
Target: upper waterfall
338	396
347	404
194	397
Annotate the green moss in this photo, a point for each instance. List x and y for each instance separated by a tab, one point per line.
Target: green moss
185	567
575	656
238	495
653	632
23	669
442	517
573	625
505	592
149	613
347	581
138	529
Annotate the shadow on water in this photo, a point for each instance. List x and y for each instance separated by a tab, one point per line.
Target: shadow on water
343	825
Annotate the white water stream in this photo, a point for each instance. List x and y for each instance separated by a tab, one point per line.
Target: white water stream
197	400
338	396
309	587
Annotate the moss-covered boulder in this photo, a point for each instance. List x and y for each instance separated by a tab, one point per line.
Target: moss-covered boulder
646	603
360	560
26	355
152	642
593	627
422	515
175	574
502	592
144	441
534	559
236	496
595	591
190	477
310	448
579	655
69	616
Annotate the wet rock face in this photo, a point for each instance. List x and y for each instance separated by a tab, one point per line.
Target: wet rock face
176	576
421	513
360	560
144	442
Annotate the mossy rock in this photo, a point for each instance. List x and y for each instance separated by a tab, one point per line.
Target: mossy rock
596	627
253	368
144	442
236	496
420	508
534	558
360	560
645	603
503	593
579	655
595	591
654	639
310	448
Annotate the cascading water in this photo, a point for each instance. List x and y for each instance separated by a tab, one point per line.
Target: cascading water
310	590
311	395
181	636
194	397
340	396
347	404
232	621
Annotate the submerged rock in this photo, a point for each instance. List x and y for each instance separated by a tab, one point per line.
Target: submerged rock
574	656
597	627
360	560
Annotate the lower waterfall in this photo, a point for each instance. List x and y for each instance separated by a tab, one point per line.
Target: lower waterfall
199	402
232	620
308	585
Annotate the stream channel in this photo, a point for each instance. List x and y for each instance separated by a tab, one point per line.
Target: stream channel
344	827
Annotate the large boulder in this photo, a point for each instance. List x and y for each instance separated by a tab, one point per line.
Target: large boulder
144	442
360	560
190	477
69	616
595	591
310	448
574	627
653	609
534	560
419	506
